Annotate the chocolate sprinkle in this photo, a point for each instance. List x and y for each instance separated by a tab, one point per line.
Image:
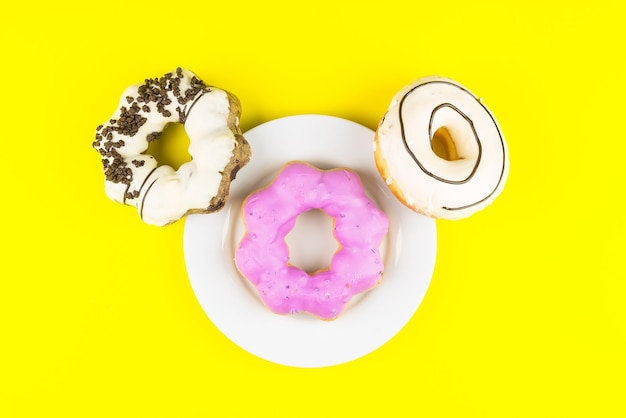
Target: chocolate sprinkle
153	136
159	91
131	195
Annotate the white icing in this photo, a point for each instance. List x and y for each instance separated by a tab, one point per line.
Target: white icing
442	188
165	194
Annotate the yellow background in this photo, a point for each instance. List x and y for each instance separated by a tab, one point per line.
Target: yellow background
525	314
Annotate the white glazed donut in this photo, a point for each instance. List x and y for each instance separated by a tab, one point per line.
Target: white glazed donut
440	150
161	194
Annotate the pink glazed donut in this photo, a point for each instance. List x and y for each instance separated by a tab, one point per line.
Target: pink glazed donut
358	226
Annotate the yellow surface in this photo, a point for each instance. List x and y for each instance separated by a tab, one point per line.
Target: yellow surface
525	316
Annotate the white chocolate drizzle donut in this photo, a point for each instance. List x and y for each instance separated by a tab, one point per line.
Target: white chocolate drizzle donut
440	150
161	194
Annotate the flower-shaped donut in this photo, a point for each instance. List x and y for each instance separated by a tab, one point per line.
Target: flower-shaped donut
270	214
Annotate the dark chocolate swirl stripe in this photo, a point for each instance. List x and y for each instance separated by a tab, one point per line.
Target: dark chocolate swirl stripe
186	112
469	177
144	198
142	184
144	195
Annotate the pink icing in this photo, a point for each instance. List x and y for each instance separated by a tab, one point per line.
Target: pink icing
270	214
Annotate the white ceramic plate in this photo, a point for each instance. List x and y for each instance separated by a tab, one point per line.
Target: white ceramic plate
301	340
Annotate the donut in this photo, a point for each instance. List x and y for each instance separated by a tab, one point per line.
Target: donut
269	214
440	150
161	194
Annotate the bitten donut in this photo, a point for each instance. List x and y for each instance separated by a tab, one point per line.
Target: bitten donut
440	150
161	194
270	214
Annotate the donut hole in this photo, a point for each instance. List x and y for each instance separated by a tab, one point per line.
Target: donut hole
311	242
443	145
171	148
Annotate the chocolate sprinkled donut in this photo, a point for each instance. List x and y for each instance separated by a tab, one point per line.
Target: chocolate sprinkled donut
161	194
